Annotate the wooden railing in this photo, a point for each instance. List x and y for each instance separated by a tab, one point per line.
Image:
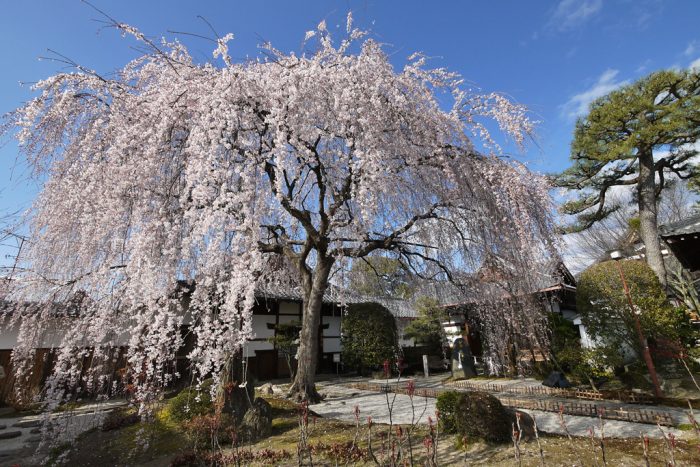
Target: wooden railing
495	387
577	408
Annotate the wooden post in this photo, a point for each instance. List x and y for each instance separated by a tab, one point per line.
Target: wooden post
425	366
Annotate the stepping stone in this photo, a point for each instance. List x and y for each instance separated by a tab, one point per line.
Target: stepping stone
10	453
2	427
10	434
34	439
35	431
27	424
6	411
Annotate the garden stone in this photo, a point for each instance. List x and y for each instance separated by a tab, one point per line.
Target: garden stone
27	424
556	379
462	359
2	427
35	431
237	401
257	422
10	434
267	389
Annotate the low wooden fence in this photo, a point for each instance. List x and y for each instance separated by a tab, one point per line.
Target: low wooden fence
622	396
578	408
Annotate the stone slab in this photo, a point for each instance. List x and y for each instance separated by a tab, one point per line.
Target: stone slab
10	434
27	424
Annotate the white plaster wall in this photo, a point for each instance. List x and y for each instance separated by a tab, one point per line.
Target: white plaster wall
286	319
53	336
260	323
8	338
400	326
251	346
587	341
555	306
333	323
331	344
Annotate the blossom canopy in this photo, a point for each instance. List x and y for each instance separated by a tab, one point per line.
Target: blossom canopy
175	171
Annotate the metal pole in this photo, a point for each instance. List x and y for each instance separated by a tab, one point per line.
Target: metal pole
642	340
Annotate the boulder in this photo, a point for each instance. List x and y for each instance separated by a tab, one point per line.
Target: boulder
257	421
556	379
267	389
10	434
237	401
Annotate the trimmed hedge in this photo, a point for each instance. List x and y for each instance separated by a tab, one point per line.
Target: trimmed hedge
475	415
369	337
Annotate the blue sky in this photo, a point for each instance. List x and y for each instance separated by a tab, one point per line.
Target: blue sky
553	56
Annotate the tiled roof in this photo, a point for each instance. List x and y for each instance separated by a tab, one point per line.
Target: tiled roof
689	225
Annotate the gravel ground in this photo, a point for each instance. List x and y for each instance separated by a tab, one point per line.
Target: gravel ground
341	401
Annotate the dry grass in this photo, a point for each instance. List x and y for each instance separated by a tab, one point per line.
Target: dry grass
578	452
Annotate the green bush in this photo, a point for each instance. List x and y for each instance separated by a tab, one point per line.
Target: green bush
426	330
120	418
447	406
590	365
369	336
606	313
191	402
475	415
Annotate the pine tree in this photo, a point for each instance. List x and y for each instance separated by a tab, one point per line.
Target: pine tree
636	135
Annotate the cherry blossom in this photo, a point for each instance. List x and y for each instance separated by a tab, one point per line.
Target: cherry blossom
168	187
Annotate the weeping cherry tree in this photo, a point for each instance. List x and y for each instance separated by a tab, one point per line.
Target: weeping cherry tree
172	170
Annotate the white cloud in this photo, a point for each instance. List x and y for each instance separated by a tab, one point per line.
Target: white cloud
570	14
643	67
690	50
578	104
695	64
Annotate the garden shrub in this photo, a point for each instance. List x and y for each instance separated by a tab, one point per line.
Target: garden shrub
474	414
120	418
426	330
191	402
369	336
605	311
203	430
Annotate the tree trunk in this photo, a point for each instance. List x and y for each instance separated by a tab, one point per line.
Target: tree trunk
648	227
314	285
